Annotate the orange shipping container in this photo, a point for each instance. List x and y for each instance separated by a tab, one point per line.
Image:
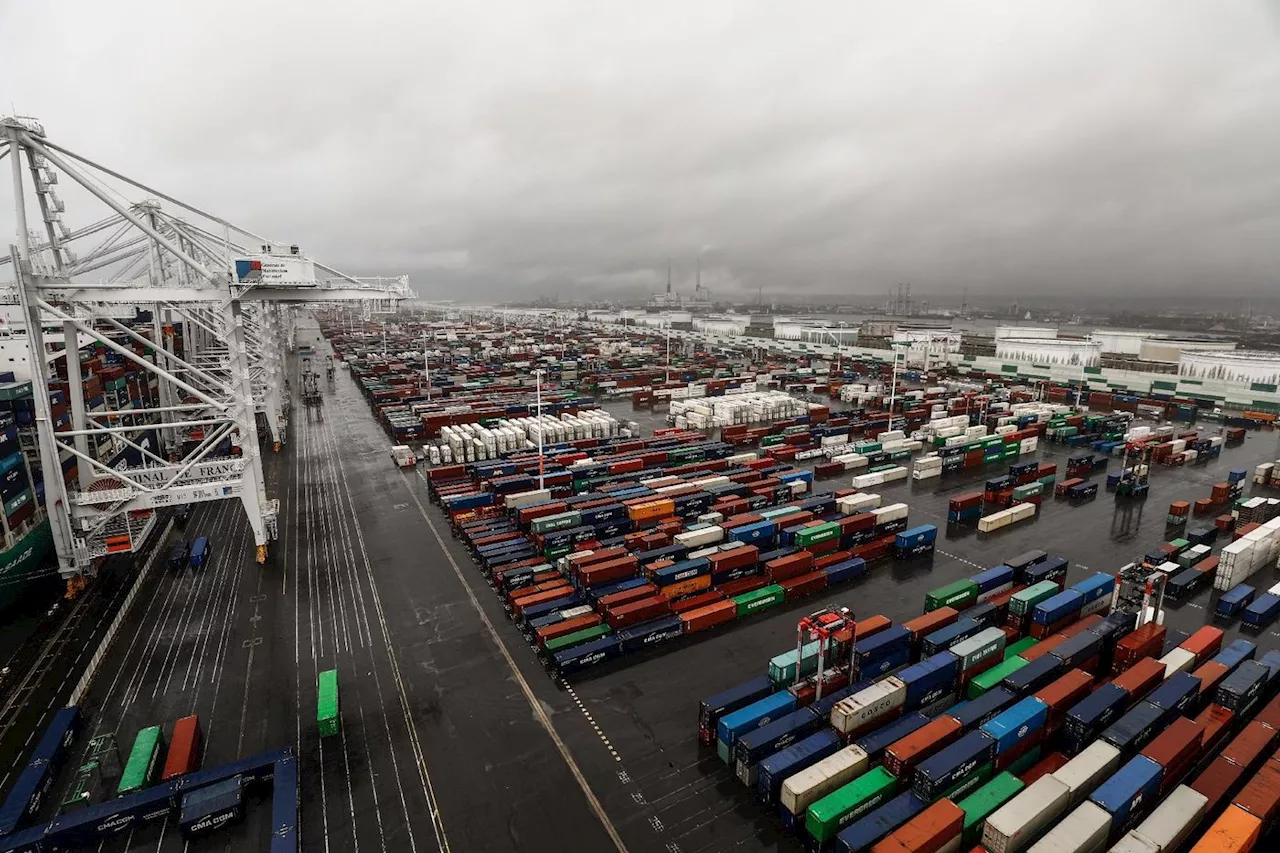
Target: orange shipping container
705	617
928	832
1236	831
686	587
652	510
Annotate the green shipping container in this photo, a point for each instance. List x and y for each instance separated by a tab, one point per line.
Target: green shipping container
144	761
971	782
866	447
1181	545
982	803
983	682
1048	480
1028	490
1024	601
576	638
782	669
558	552
757	600
818	533
328	719
560	521
846	804
1019	647
878	468
959	595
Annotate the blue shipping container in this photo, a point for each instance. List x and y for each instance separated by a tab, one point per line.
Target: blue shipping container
993	578
1058	607
864	833
1051	569
1137	727
1041	672
759	713
1078	649
1234	600
845	571
885	642
1235	653
930	680
944	638
1012	727
1129	793
1262	612
975	712
754	534
923	534
1176	693
715	706
775	769
1095	587
943	769
1092	714
759	743
1238	690
885	663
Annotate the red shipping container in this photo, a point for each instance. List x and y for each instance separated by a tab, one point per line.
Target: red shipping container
928	832
830	559
706	617
856	523
966	501
789	566
1062	695
876	550
1216	721
1217	782
902	756
1140	679
693	602
185	747
609	571
1204	643
1270	713
1175	749
1043	647
1251	746
1051	763
1042	631
637	611
1145	642
602	555
802	585
864	628
1208	565
565	627
735	558
617	599
1081	626
922	626
741	585
1261	794
1210	675
530	595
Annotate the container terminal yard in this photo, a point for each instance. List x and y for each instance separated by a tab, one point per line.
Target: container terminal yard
371	578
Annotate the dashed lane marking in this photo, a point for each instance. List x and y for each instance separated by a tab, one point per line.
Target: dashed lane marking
583	708
959	559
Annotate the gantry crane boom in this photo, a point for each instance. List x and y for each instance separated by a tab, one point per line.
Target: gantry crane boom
224	291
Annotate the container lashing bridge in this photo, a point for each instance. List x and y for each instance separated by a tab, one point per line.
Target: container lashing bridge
222	300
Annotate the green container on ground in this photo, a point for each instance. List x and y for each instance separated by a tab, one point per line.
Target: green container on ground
959	595
982	803
1024	601
848	803
983	682
878	468
1048	480
818	533
328	720
577	637
757	600
1180	544
1028	490
557	552
144	761
865	447
1019	647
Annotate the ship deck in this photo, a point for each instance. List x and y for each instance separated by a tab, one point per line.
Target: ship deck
453	736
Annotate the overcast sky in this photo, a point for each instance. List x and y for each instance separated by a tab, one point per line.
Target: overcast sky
533	146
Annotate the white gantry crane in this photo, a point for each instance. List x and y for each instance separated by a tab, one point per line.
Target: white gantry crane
230	292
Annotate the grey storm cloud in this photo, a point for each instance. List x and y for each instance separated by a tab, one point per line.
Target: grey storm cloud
518	148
